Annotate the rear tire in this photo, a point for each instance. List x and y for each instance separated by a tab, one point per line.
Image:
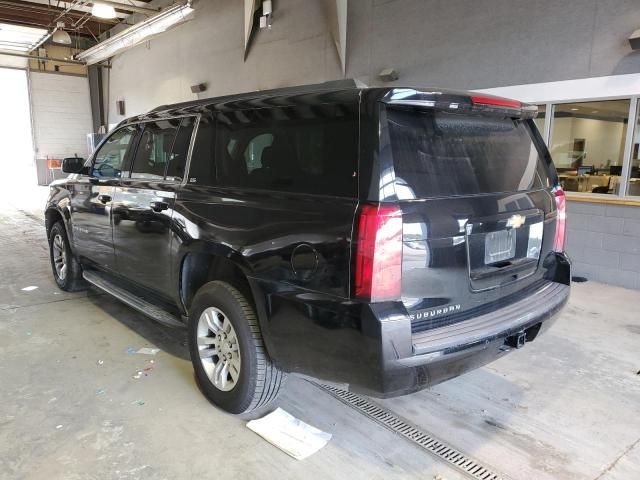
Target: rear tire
232	367
67	271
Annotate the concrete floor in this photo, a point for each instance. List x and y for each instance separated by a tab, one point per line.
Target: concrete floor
565	407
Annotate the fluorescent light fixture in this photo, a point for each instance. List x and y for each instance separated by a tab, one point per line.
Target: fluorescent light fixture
136	34
101	10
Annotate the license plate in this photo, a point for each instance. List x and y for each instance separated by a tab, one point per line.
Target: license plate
499	246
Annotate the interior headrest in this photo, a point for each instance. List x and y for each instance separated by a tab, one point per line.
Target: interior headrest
267	159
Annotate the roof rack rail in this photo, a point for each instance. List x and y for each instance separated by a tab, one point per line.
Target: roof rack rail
329	85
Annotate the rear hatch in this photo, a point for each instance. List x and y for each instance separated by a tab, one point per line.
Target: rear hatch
478	210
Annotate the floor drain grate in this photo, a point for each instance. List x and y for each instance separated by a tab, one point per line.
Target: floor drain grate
437	447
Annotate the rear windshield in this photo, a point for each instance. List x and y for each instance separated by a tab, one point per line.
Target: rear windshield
442	154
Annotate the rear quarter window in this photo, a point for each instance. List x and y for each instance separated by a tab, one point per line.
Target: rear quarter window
437	154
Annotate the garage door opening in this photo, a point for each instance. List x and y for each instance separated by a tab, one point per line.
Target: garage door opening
16	138
15	120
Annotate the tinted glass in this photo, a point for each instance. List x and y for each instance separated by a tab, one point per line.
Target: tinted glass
439	154
300	150
202	168
180	150
154	149
253	152
109	159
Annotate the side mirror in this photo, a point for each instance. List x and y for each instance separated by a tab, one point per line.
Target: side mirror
72	165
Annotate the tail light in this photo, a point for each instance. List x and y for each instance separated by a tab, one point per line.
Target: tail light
496	101
378	264
561	220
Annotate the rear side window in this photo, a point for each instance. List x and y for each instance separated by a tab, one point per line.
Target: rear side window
439	154
180	150
304	150
253	152
154	149
202	167
163	149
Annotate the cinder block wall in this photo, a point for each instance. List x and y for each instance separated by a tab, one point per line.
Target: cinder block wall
603	242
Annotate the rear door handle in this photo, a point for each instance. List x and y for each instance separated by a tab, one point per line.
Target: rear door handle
158	206
104	198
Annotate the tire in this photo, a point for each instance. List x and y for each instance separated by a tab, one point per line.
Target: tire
68	278
257	381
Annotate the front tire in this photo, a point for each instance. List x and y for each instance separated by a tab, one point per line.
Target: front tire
66	268
232	367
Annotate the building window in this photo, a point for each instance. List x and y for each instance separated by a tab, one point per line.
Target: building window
587	144
539	120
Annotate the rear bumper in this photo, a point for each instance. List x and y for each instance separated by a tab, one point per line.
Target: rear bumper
371	346
443	353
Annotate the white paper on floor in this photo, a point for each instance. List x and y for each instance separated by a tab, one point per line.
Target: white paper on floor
290	434
148	351
29	288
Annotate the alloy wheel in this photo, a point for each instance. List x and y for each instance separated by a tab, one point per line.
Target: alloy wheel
219	349
59	256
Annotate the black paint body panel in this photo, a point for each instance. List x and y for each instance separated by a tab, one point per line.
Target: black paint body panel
295	251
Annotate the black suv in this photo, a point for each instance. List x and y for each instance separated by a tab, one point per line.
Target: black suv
388	238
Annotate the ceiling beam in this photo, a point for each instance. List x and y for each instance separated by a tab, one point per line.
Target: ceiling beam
24	7
36	57
130	8
125	6
38	16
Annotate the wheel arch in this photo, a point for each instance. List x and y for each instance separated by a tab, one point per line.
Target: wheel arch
206	263
53	215
203	262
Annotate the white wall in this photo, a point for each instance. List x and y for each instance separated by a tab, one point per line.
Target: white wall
566	90
604	140
299	49
440	43
12	62
61	112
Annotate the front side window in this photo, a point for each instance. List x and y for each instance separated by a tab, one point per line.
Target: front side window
109	159
290	150
587	144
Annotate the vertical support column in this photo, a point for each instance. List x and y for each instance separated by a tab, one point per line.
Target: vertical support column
94	73
34	143
250	7
546	134
628	148
337	16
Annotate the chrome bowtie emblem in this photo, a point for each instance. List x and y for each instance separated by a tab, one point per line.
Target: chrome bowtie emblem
516	221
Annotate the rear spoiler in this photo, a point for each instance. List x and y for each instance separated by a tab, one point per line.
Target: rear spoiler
460	102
